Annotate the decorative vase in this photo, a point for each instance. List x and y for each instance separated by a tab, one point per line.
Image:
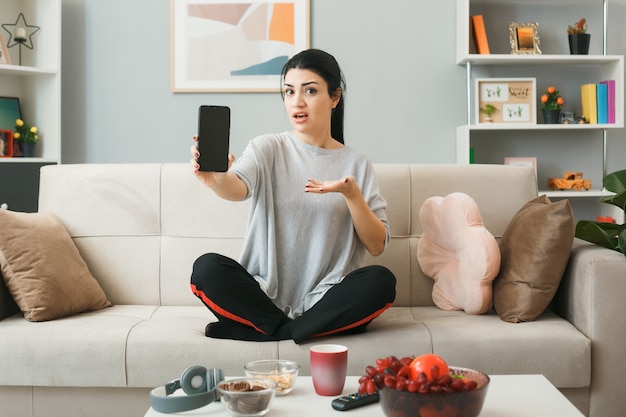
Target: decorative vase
551	117
27	149
579	43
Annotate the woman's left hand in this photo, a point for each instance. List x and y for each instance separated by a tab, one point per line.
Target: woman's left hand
346	186
369	228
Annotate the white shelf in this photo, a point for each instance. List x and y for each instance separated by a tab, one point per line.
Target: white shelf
577	194
37	82
541	126
26	70
508	59
596	68
35	160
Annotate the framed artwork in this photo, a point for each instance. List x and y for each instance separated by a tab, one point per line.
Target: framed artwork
6	143
506	100
524	162
524	38
234	46
4	53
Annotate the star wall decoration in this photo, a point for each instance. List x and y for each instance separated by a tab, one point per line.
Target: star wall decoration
29	31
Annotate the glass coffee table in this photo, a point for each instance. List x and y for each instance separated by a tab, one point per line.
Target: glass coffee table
508	395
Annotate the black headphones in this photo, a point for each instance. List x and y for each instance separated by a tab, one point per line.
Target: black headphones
199	392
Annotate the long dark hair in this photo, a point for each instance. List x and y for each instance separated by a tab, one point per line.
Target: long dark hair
326	66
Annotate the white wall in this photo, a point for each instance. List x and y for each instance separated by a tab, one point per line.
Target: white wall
405	97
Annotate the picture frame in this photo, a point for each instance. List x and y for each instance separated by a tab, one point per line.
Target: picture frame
522	161
5	58
230	46
513	99
524	38
6	143
10	110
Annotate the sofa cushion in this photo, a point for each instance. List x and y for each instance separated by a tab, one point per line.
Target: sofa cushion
487	343
535	248
458	252
82	350
43	269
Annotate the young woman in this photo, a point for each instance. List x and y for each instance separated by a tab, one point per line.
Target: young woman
316	210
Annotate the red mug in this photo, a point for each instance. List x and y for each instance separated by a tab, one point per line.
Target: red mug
329	365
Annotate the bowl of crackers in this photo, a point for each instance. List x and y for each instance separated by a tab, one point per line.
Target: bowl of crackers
247	397
283	372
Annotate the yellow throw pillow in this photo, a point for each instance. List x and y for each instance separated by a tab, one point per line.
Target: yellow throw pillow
43	269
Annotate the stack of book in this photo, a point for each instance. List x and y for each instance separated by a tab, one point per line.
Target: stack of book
598	102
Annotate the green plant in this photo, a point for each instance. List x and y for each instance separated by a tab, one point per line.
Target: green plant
552	99
25	132
489	109
578	27
608	235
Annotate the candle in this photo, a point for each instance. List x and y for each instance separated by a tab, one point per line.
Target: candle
20	34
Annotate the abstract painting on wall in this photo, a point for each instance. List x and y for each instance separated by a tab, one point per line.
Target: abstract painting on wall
235	45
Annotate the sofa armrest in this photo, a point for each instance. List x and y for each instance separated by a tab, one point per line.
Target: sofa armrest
592	297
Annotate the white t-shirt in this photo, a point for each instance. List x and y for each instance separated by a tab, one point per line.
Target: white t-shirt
298	244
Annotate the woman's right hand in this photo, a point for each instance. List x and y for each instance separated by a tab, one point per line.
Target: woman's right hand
225	184
209	179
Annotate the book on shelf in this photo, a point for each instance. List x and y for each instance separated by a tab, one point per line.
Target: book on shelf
602	103
480	35
589	102
610	98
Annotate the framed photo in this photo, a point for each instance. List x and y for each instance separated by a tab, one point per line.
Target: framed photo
4	53
234	46
9	111
524	38
506	100
6	143
524	162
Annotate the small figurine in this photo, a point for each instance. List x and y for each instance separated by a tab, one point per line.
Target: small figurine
570	181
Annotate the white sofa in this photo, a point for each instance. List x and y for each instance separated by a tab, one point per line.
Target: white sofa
139	227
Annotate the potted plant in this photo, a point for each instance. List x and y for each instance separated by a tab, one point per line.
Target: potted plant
551	105
605	233
578	38
489	110
26	137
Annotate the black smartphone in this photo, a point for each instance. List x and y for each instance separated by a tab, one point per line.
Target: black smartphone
213	138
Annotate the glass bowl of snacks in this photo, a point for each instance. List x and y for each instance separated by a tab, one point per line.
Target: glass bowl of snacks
247	397
283	372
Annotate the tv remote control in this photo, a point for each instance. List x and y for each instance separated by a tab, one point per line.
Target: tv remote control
348	402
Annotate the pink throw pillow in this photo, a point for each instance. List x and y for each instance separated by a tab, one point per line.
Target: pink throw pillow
458	252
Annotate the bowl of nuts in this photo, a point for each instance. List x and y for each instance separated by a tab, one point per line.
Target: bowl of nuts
281	371
247	397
